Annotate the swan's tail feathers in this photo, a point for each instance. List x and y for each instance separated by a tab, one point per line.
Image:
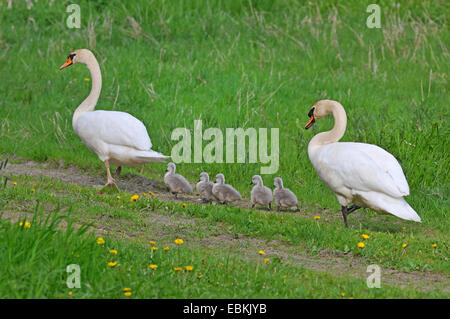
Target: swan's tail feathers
151	157
396	206
400	208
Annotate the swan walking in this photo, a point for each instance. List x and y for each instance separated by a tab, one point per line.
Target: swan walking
225	193
177	183
204	187
116	137
260	194
283	197
363	174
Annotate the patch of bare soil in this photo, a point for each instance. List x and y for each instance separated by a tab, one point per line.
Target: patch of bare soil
165	227
137	184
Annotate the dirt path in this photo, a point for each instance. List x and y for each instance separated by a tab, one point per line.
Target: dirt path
165	226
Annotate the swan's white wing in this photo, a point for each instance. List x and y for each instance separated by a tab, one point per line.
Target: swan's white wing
365	167
113	127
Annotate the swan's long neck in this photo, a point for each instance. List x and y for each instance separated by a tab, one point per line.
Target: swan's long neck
340	123
91	101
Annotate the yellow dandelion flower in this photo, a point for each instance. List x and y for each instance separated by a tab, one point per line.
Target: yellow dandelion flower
153	267
100	241
361	245
33	190
261	252
316	217
26	225
178	269
117	197
112	264
70	293
113	252
199	275
179	241
434	245
154	248
151	193
144	194
34	185
166	248
14	183
403	227
266	260
350	298
184	205
364	236
189	268
152	242
134	198
127	294
404	245
343	294
126	289
87	79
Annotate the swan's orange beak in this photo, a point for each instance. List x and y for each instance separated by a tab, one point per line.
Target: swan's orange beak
312	120
65	65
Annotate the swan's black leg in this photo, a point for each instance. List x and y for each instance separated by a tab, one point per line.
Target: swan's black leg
118	171
352	208
347	211
344	215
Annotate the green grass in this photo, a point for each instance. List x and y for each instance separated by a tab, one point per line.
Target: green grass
34	259
383	247
26	252
236	64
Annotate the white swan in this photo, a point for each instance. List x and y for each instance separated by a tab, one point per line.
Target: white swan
116	137
363	174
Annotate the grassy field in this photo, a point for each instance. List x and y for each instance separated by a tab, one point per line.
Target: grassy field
259	64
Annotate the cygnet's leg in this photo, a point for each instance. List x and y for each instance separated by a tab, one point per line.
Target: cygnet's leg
111	182
298	209
270	206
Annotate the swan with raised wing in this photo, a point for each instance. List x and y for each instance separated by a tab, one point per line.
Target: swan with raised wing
358	173
117	138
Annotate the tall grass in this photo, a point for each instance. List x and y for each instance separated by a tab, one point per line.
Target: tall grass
35	256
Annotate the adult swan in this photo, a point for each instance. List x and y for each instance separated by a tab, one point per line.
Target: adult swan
363	174
116	137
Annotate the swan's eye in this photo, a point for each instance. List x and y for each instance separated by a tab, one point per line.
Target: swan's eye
68	62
